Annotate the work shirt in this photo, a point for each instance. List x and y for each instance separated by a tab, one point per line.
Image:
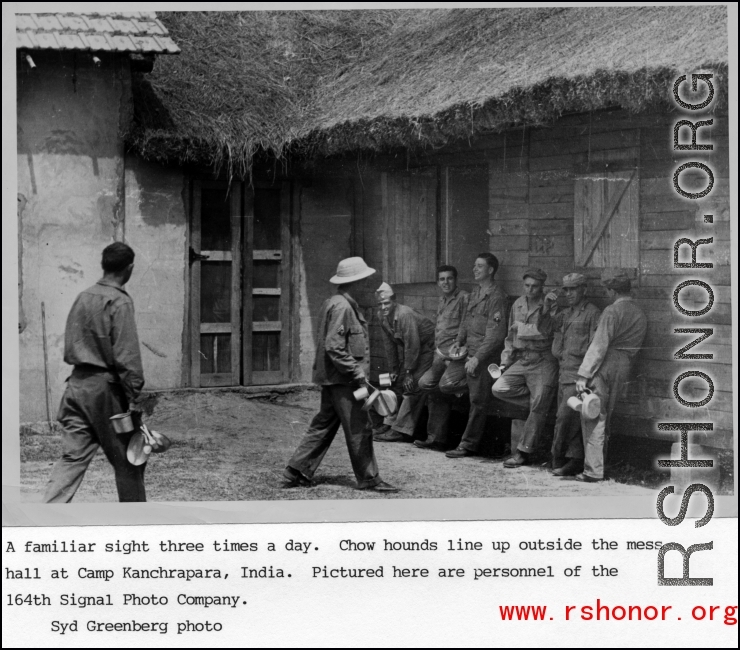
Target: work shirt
575	331
450	314
343	349
484	327
622	326
407	334
529	330
101	333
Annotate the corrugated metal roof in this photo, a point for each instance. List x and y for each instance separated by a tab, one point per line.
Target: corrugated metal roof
133	31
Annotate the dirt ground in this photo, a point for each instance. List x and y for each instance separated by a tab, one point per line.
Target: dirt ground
233	448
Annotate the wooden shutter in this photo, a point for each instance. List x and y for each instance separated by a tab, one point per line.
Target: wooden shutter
410	209
606	212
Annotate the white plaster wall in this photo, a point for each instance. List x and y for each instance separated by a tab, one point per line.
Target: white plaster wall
156	228
70	169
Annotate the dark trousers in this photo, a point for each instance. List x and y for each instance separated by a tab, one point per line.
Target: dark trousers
338	406
457	380
567	440
530	383
89	400
440	404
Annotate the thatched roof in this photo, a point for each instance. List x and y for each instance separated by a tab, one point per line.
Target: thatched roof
332	81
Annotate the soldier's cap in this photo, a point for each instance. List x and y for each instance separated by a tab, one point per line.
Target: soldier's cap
537	274
615	279
384	291
351	269
574	280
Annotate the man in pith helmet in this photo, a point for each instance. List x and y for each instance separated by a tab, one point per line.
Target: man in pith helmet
341	365
409	349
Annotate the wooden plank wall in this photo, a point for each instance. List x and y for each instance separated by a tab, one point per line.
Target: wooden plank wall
531	203
531	197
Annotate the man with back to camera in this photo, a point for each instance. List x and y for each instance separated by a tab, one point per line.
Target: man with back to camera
342	364
482	331
531	371
450	313
606	367
408	338
576	325
101	342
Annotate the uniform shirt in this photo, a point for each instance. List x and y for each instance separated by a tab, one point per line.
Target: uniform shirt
484	327
575	331
450	314
343	352
101	332
529	330
406	335
623	326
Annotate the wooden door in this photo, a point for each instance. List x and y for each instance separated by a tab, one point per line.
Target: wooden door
215	284
410	220
266	285
606	220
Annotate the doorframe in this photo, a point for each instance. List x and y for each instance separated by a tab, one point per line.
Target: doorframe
236	219
289	280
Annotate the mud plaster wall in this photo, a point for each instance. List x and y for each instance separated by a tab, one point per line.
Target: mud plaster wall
70	175
156	229
325	232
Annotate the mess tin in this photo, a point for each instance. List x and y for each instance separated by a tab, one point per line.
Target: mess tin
122	423
386	403
386	379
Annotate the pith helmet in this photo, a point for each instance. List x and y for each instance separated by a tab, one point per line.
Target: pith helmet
351	269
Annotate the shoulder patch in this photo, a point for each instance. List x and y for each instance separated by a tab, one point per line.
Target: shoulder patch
340	331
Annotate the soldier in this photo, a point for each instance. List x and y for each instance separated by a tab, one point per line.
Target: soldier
607	365
576	325
101	342
342	363
482	331
409	348
450	313
530	380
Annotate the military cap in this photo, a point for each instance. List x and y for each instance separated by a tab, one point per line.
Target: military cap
615	279
384	291
537	274
574	280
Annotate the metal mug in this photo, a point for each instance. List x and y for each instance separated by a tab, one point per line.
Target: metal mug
494	371
361	393
122	423
575	403
385	379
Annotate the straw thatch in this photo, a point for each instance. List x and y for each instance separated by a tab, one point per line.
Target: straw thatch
330	82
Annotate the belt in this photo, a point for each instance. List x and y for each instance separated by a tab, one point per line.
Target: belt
86	370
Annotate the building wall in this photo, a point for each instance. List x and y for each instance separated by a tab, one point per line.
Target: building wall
156	228
325	231
70	200
532	174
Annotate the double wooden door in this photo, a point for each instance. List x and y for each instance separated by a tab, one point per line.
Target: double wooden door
239	284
